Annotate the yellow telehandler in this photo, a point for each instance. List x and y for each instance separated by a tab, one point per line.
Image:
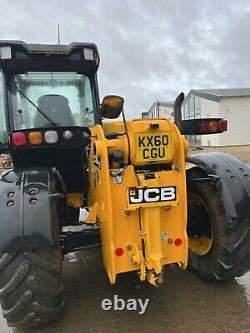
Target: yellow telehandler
150	203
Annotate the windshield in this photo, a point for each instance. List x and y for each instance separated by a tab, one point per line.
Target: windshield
47	99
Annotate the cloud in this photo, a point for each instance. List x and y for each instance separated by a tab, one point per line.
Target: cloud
150	50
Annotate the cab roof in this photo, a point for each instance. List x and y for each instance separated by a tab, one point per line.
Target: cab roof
22	55
44	48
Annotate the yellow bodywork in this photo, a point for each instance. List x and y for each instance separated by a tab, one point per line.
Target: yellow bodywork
139	234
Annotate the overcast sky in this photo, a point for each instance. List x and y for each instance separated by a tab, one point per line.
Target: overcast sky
150	49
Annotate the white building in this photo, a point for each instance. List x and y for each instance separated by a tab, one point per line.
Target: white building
160	110
231	104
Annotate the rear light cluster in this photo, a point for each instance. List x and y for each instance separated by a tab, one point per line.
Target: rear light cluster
36	137
212	126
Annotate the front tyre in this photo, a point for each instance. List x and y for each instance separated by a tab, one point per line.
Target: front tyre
31	287
219	246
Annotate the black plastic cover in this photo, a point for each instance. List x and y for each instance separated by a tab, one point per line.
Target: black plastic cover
28	209
232	179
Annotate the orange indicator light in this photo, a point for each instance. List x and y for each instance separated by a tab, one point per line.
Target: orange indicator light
35	138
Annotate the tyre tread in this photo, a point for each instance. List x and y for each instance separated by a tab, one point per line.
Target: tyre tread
31	287
230	258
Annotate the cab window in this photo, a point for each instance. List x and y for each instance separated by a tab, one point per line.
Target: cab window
45	99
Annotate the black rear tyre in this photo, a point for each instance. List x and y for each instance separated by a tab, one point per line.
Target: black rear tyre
219	246
31	287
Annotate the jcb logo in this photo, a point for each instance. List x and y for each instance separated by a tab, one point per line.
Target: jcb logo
156	194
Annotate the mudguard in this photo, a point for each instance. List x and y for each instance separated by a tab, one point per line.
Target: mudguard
28	209
231	177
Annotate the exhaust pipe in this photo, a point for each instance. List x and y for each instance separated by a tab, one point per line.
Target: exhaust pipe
177	111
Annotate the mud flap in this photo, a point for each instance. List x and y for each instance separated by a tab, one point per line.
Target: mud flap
231	178
28	209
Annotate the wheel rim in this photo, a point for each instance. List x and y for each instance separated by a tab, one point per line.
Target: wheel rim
199	227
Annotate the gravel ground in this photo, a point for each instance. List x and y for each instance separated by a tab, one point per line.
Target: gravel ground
241	152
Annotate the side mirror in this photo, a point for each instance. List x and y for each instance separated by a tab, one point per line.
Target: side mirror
111	106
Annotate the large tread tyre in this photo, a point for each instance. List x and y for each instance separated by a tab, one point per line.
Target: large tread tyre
31	287
228	254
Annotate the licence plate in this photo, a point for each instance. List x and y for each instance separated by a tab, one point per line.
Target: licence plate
153	147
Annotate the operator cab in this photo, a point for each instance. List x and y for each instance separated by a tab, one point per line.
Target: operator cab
48	100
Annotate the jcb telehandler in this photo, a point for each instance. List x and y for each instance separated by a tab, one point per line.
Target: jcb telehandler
153	203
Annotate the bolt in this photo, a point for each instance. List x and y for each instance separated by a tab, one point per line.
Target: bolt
129	247
127	212
10	203
33	191
11	194
33	201
170	241
85	135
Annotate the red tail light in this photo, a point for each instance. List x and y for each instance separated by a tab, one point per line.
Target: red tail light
19	139
222	125
211	126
